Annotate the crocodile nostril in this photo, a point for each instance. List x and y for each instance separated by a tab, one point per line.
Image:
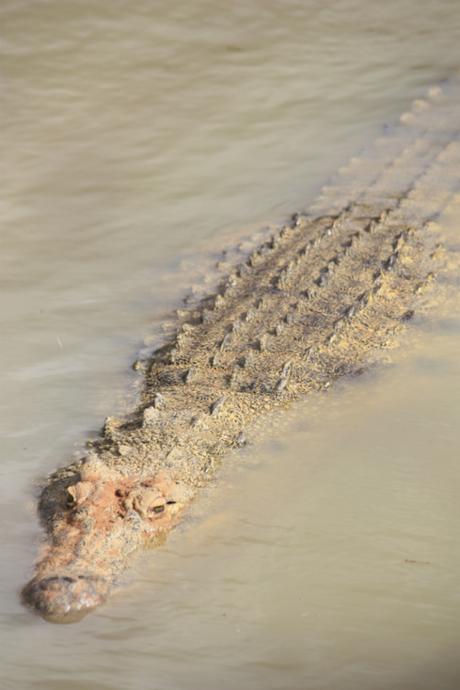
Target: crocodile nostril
55	579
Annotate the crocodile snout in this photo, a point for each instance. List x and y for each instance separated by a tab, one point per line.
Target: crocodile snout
65	598
94	525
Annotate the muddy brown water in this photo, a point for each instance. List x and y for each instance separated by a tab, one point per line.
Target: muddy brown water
137	140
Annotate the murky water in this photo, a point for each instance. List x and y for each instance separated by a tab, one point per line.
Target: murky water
137	138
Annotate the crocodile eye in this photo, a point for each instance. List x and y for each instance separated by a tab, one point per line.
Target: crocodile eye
158	509
69	500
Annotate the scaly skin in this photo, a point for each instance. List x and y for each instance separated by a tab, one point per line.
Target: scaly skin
313	303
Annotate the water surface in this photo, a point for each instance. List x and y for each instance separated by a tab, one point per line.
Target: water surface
137	139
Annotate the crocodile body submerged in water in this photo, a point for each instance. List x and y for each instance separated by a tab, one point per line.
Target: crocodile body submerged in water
314	302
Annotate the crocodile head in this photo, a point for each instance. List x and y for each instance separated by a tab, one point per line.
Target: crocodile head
95	520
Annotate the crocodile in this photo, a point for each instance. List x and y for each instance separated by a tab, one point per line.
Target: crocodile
314	302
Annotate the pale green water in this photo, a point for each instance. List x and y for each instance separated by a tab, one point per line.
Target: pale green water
135	136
